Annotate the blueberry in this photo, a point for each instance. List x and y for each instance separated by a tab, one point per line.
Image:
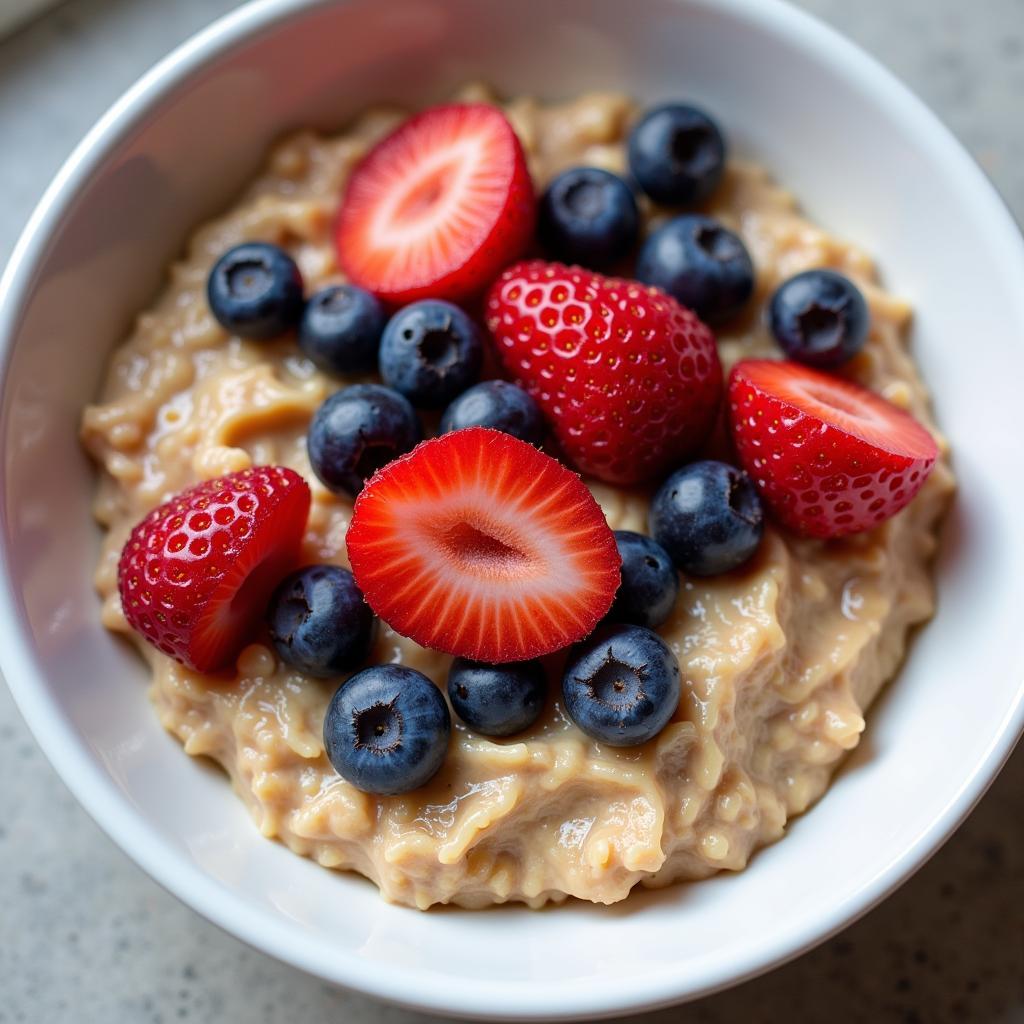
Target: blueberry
319	622
498	405
431	351
497	700
588	216
387	729
650	582
341	328
255	291
621	685
819	318
356	431
676	154
708	517
701	264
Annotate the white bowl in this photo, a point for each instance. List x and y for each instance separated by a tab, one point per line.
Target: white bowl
868	160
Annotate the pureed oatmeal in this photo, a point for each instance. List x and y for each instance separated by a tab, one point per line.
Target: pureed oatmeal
779	660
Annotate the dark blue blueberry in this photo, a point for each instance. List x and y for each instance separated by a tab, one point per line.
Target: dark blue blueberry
356	431
819	318
341	328
499	405
387	729
708	517
319	622
676	154
621	685
588	216
650	582
431	351
255	291
497	700
701	264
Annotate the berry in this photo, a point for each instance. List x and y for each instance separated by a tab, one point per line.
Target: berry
356	431
255	291
588	216
479	545
819	318
650	583
497	700
629	380
498	405
430	352
621	686
676	154
319	622
829	457
196	573
438	207
340	329
700	264
708	517
387	729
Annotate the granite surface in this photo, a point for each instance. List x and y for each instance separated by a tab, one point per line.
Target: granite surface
84	935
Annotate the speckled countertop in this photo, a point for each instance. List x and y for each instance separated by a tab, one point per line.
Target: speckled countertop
85	936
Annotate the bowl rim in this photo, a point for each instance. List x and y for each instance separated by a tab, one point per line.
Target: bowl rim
182	877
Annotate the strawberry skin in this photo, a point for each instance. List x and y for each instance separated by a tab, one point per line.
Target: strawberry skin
437	208
629	379
196	574
479	545
828	457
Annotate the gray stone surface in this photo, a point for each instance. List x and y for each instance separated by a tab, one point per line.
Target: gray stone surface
84	935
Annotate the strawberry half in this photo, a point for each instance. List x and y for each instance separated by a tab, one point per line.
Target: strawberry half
197	573
829	457
629	379
479	545
438	207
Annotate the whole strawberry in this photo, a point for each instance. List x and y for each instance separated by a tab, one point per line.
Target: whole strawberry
629	379
197	573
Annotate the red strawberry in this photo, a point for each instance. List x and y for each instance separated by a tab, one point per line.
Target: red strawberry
478	544
829	457
197	572
437	208
629	379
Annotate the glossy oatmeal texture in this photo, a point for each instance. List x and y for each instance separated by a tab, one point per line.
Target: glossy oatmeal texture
779	660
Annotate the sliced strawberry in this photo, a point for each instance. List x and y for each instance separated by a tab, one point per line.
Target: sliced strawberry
197	573
478	544
829	457
437	208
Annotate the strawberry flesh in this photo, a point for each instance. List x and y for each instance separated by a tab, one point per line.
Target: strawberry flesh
196	574
437	208
829	457
629	379
479	545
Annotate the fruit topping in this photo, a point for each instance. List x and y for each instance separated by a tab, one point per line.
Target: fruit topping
676	154
341	328
497	700
629	380
498	405
437	208
196	573
701	264
386	730
819	318
356	431
319	622
588	216
430	352
650	582
479	545
621	686
828	457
